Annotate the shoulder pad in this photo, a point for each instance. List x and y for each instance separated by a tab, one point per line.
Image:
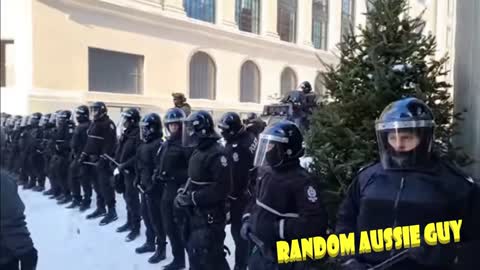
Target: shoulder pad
457	171
363	168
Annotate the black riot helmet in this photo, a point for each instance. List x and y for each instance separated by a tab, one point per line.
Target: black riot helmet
63	117
279	144
25	121
98	110
150	127
174	117
230	125
197	127
405	134
44	120
129	118
306	87
250	116
4	119
17	122
82	114
34	119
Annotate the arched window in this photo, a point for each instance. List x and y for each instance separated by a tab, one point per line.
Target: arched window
287	20
247	15
320	23
202	76
203	10
288	81
250	83
319	87
348	18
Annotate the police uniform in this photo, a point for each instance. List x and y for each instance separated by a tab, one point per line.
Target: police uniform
101	139
80	176
241	152
61	158
209	187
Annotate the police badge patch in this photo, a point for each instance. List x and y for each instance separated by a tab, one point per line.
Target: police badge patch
312	194
223	160
112	126
235	157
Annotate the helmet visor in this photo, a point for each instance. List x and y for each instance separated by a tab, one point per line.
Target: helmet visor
269	150
189	136
405	144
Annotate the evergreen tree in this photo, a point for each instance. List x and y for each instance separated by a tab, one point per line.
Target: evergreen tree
391	58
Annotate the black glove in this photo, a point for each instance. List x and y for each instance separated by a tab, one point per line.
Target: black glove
353	264
83	157
246	229
155	176
118	184
183	200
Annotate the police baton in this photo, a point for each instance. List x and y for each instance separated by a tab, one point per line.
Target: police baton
139	187
115	162
391	261
90	163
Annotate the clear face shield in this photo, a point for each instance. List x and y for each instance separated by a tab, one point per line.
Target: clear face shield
189	136
173	129
43	121
53	119
24	122
269	151
405	144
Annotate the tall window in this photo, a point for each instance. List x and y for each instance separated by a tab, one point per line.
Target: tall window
203	10
287	19
250	83
348	18
110	71
7	70
247	15
202	76
320	23
288	80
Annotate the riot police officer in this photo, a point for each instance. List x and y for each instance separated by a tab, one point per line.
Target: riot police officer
240	148
254	124
171	173
48	144
287	204
101	139
80	176
205	193
23	143
35	160
151	135
61	158
410	185
125	155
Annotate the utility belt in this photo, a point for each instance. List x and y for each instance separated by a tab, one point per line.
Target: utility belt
202	217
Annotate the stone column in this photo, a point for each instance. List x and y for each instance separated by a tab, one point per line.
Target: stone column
334	23
304	20
228	16
174	6
268	22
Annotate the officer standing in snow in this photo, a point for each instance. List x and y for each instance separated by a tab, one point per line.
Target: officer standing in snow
240	148
126	156
410	185
205	194
171	173
287	204
61	159
101	140
151	136
80	176
34	156
49	151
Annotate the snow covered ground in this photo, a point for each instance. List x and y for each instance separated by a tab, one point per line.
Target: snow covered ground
66	240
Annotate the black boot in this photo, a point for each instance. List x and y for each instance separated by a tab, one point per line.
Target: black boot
159	255
66	199
97	213
48	192
38	188
176	264
109	217
134	233
75	203
125	227
84	205
56	196
29	185
147	247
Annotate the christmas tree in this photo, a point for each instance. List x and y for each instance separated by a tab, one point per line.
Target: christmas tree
390	58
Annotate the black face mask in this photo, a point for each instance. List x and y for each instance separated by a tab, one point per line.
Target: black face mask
274	157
